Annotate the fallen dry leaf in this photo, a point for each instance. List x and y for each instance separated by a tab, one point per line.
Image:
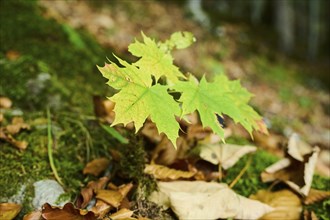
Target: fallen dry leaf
125	203
35	215
68	212
111	197
12	55
16	125
225	154
1	117
9	211
103	108
5	102
22	145
124	189
309	215
101	208
315	195
205	171
165	173
166	154
150	131
96	166
262	127
272	142
297	169
206	200
122	214
86	194
286	204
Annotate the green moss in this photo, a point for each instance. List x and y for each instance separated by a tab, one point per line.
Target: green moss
56	67
237	140
250	182
321	209
69	56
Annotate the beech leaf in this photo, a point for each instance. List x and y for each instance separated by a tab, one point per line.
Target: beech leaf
68	212
163	172
225	154
286	204
296	169
96	166
122	214
111	197
206	200
9	211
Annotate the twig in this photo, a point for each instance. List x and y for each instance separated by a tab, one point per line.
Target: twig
49	147
232	184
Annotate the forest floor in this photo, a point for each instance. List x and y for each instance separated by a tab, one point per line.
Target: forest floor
48	57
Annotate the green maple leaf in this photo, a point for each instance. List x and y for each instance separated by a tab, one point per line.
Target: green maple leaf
154	60
219	97
138	99
178	40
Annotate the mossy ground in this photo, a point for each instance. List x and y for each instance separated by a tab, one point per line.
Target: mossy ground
56	67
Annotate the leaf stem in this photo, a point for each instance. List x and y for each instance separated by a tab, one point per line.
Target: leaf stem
232	184
49	148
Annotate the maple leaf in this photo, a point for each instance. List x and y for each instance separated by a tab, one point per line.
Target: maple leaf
219	97
138	99
154	60
179	40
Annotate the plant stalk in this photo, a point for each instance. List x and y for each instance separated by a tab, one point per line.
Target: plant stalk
49	148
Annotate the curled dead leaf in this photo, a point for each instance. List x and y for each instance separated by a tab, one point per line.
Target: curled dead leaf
122	214
111	197
150	131
101	208
96	166
12	55
35	215
68	212
16	125
103	108
9	211
86	194
165	173
286	204
206	200
225	154
309	215
166	154
297	169
272	142
22	145
5	102
124	189
315	195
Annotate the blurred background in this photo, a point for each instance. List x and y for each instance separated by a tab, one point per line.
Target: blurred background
49	50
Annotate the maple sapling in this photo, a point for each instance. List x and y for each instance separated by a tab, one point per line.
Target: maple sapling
140	94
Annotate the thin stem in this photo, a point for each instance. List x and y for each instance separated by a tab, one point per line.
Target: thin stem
88	138
49	148
232	184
